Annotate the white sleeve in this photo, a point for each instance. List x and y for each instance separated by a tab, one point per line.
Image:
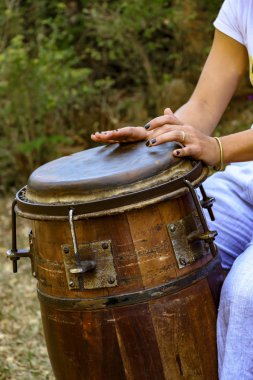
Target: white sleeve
228	20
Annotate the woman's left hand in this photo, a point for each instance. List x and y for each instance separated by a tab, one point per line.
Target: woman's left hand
195	143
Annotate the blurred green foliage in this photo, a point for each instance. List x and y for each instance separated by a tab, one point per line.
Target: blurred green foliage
69	68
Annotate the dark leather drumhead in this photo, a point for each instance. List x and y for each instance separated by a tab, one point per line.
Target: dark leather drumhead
110	165
105	172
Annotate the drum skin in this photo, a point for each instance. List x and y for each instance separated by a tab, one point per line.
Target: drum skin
169	337
128	274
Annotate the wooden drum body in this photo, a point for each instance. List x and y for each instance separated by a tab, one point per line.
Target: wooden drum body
128	274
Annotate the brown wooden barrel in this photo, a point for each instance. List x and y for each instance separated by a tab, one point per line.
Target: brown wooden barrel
128	274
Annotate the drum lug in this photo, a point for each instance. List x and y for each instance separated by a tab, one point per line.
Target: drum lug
206	232
81	262
191	239
187	245
15	254
96	268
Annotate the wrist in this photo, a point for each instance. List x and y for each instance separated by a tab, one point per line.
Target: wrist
219	165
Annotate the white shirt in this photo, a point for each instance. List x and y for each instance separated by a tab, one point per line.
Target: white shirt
236	20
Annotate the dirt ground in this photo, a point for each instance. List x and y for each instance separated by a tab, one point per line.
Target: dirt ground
23	354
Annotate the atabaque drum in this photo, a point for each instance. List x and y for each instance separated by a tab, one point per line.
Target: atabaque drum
127	269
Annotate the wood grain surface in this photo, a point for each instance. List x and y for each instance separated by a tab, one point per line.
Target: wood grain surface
170	337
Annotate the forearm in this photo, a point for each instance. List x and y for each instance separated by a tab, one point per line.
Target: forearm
238	147
198	114
223	70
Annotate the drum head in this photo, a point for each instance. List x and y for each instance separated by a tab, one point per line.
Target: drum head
110	172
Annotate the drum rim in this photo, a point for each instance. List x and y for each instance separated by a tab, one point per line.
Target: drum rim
113	205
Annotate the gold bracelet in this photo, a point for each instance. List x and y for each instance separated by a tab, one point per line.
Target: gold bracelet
221	165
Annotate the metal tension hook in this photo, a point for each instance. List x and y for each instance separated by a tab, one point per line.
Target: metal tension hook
15	254
84	266
206	235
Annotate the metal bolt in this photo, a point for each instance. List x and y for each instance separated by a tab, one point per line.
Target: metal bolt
105	245
111	280
182	261
71	284
173	228
66	250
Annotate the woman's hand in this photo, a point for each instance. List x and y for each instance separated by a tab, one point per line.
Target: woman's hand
195	143
163	129
132	134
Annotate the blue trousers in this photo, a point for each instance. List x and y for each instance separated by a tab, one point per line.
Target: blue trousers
233	209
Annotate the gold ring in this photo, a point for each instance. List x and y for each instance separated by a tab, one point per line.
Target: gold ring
183	137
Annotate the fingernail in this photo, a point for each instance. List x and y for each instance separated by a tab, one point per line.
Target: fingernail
148	143
177	152
104	133
147	126
153	141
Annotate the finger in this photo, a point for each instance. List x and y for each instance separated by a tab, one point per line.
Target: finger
174	135
94	137
107	135
126	134
183	152
106	142
180	134
168	111
131	133
162	120
100	136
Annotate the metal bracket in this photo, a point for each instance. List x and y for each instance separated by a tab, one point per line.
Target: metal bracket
205	230
186	249
191	239
102	276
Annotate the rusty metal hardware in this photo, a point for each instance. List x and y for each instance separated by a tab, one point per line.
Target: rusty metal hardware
183	234
207	236
15	254
202	218
207	202
102	276
80	267
191	239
